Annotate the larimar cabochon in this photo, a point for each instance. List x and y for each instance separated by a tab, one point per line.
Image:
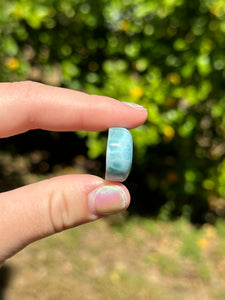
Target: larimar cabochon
119	154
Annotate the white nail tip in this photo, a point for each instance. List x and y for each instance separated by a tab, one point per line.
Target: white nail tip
135	106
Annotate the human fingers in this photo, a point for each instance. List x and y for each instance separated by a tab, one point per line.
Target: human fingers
38	210
30	105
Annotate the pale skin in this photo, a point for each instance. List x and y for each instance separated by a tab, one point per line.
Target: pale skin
41	209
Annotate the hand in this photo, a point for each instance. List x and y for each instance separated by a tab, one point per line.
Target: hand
38	210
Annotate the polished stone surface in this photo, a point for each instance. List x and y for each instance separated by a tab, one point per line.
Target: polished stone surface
119	154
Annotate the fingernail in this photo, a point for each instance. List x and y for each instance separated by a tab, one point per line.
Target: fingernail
135	106
107	200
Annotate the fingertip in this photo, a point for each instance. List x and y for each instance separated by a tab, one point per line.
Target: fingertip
141	113
108	199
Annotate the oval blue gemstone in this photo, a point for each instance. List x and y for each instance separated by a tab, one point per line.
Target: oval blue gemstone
119	154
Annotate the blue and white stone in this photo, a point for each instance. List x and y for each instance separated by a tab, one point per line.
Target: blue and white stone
119	154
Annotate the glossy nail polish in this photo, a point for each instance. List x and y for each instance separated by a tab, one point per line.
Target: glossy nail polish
107	200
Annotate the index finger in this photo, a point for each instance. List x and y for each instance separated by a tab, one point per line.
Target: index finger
30	105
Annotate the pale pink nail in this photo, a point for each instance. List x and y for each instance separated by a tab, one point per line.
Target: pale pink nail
135	106
107	200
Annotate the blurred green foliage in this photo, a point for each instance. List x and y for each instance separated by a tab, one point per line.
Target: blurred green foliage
167	55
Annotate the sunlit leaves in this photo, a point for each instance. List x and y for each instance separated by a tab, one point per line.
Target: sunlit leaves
203	65
10	46
166	55
70	70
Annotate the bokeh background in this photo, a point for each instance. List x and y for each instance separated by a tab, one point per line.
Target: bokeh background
169	56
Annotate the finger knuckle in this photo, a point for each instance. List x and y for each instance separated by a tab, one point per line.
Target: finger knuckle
59	214
24	88
26	92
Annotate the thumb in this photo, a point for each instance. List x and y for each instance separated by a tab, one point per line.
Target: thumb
44	208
